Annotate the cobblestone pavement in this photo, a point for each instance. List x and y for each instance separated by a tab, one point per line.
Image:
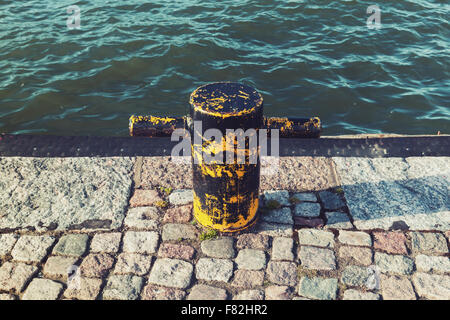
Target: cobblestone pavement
105	228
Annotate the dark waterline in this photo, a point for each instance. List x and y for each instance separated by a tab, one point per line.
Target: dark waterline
307	58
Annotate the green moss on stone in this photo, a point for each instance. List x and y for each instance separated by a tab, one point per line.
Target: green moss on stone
272	204
167	191
207	235
162	204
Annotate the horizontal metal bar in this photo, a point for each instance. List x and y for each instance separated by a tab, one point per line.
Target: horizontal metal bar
90	146
292	127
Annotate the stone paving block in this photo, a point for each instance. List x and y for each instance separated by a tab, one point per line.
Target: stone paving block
309	222
282	249
145	242
396	288
330	200
213	269
431	286
7	297
315	237
123	287
181	197
305	196
59	266
134	263
318	288
142	218
7	242
352	294
388	193
43	289
355	276
303	174
252	241
307	209
282	273
422	242
432	263
74	245
394	263
164	171
88	289
282	215
14	276
177	251
280	196
251	259
181	214
32	248
435	173
152	292
317	258
338	220
64	193
143	198
391	242
171	273
96	265
106	242
355	238
253	295
248	278
356	255
177	231
278	293
204	292
274	229
219	248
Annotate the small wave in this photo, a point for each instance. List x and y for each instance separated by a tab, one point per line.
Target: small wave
306	58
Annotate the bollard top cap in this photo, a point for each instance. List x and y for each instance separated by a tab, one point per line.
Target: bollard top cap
226	99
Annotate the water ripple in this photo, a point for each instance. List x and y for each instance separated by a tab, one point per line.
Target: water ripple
306	58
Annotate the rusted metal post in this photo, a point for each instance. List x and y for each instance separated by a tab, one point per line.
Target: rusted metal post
226	187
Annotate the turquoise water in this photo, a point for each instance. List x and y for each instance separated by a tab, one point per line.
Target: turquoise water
307	58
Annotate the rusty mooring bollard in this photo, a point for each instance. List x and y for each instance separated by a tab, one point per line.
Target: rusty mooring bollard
226	169
226	190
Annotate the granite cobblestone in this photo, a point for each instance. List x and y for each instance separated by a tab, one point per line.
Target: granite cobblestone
32	248
308	248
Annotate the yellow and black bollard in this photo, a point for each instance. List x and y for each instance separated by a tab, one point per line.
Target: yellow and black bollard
226	169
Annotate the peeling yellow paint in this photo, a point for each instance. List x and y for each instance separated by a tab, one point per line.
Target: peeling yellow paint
227	181
213	103
205	217
152	119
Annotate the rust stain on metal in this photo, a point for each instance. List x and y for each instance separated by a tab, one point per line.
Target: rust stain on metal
225	194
